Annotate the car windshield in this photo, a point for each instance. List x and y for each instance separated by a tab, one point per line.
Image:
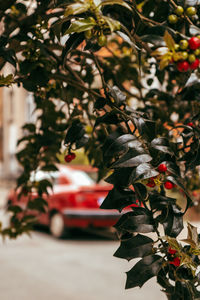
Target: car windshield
78	177
75	177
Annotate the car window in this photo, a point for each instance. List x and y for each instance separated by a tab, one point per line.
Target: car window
78	177
75	177
41	175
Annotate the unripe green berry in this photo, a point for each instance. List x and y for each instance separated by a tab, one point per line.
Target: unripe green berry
183	44
197	52
102	40
184	55
88	34
176	47
173	19
191	11
179	11
191	58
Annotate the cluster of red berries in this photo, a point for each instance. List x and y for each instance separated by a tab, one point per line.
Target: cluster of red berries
69	157
174	260
179	14
162	168
188	52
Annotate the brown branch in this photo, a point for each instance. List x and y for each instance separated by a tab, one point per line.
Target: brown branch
78	85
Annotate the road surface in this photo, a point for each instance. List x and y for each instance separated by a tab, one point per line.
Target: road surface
43	268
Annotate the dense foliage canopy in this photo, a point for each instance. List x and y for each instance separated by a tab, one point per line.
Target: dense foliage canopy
120	79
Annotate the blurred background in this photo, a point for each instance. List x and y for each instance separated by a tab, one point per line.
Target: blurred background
41	266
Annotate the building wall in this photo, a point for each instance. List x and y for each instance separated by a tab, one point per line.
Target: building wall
13	116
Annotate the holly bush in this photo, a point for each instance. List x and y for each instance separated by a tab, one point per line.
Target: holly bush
119	79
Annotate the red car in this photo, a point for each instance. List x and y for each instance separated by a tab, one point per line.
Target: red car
74	202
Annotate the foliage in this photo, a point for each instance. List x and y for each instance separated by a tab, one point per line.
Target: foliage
98	58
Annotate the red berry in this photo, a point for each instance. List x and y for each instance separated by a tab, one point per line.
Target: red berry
195	64
73	156
194	43
176	262
183	66
168	185
151	183
68	158
171	251
190	124
162	168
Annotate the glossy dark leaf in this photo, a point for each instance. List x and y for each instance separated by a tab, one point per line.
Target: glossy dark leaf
38	204
154	39
15	209
163	280
141	191
120	144
174	222
100	103
183	290
159	202
82	141
145	269
132	158
133	162
108	118
117	95
137	246
138	220
119	198
120	177
146	128
161	144
144	171
177	182
72	43
74	132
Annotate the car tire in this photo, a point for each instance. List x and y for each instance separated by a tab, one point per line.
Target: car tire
57	225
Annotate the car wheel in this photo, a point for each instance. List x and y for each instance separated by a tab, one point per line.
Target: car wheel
57	225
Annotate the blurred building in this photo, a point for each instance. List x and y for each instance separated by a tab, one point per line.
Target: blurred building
16	107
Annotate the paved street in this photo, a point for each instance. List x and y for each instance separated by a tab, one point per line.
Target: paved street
43	268
81	268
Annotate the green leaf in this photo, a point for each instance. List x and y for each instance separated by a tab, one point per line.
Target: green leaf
113	24
6	81
137	246
192	237
76	8
173	243
169	41
145	269
112	2
80	25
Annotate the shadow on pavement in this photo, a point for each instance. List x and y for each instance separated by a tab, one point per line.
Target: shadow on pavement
82	235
